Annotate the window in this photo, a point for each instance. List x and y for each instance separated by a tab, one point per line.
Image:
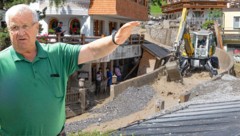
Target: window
112	27
98	27
75	26
233	48
236	22
53	23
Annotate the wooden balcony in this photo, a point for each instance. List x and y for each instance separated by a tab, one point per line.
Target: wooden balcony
230	34
125	51
129	9
193	4
82	39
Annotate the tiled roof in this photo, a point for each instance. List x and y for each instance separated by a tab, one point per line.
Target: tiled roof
208	119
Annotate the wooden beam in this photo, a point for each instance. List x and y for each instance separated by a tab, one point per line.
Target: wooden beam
218	35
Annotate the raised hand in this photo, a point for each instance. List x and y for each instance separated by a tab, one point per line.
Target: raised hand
125	31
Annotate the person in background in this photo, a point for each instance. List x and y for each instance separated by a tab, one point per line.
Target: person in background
202	42
35	105
58	30
109	78
118	73
99	78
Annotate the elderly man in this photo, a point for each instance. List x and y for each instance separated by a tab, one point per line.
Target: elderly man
33	76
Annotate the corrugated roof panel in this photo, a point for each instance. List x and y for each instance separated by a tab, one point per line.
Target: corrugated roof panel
158	51
208	119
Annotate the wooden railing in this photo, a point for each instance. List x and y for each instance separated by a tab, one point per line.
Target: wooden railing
71	39
82	39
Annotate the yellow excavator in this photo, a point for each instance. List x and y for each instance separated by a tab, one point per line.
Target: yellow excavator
191	50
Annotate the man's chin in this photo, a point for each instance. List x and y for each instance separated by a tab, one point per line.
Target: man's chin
23	45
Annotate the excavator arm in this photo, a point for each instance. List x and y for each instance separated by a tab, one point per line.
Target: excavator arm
175	67
183	35
188	44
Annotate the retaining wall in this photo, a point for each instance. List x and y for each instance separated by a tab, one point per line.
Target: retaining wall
136	82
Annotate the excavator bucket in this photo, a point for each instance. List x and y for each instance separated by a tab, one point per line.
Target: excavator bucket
173	72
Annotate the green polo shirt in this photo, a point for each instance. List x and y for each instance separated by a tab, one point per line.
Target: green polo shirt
32	94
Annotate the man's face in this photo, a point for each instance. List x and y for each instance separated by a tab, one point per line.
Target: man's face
23	31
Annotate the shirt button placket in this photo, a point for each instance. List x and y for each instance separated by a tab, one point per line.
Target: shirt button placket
34	71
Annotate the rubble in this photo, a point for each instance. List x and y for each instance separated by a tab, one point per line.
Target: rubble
130	101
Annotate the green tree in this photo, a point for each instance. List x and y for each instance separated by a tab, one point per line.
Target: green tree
154	6
208	24
157	2
214	14
57	2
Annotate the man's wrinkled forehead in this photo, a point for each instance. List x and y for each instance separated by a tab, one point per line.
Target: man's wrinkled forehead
20	17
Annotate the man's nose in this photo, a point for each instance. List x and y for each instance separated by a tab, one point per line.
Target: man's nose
21	31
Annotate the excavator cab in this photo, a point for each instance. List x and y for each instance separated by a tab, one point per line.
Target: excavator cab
203	43
199	47
204	48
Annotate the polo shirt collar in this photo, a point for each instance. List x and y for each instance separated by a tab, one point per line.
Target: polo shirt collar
41	53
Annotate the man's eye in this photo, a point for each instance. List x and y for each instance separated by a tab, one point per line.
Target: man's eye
25	27
14	28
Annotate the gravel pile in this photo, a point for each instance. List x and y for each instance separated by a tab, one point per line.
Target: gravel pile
225	88
130	101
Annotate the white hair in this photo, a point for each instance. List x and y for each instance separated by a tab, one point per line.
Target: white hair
20	9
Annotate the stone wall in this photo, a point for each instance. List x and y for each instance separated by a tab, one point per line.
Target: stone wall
162	35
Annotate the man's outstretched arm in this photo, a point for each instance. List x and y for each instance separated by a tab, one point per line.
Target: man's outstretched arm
104	46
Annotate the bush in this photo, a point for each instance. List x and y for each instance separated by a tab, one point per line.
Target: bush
43	38
4	39
208	24
51	31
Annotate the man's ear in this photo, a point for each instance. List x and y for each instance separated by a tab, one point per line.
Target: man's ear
37	25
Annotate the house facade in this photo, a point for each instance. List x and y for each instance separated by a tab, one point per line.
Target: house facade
93	17
198	10
96	18
231	30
